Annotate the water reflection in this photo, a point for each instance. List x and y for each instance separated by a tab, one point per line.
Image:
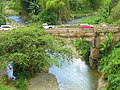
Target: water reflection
75	75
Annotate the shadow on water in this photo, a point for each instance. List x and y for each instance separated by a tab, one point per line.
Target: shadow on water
75	75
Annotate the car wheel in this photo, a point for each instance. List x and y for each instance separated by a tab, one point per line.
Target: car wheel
50	27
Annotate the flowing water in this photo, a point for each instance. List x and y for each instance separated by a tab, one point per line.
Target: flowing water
75	75
17	19
75	21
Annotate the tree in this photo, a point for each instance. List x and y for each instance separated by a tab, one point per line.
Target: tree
95	4
2	17
116	11
58	7
29	50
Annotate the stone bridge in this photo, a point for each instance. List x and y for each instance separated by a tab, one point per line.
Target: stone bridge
93	35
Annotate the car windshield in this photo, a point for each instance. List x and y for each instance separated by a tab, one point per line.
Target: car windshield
6	27
45	24
84	24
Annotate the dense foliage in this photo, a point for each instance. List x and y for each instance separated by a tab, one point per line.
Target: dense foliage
108	12
83	48
93	20
110	68
116	12
59	11
3	85
54	11
28	49
2	17
106	45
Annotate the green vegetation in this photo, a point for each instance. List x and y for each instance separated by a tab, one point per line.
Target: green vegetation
3	86
27	48
108	12
109	60
93	20
2	17
106	45
116	13
83	48
59	11
110	68
53	11
21	84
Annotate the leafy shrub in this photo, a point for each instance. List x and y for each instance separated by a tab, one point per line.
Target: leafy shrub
104	12
15	5
93	20
114	82
106	44
2	19
26	48
83	47
3	86
116	11
34	18
110	64
110	20
46	16
21	84
117	45
110	68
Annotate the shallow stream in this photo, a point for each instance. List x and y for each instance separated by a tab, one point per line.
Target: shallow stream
75	75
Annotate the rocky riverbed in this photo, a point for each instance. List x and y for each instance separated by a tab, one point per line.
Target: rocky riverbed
43	81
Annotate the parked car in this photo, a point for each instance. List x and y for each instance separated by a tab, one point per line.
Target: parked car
46	26
6	27
86	26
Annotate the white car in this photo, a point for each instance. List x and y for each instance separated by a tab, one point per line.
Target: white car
6	27
46	26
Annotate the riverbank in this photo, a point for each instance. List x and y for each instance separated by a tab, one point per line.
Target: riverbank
43	81
101	84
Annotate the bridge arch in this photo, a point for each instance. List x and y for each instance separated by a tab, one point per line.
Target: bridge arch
93	35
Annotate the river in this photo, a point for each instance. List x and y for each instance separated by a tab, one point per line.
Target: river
17	19
75	21
75	75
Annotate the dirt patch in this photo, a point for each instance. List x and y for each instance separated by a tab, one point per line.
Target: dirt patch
43	81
